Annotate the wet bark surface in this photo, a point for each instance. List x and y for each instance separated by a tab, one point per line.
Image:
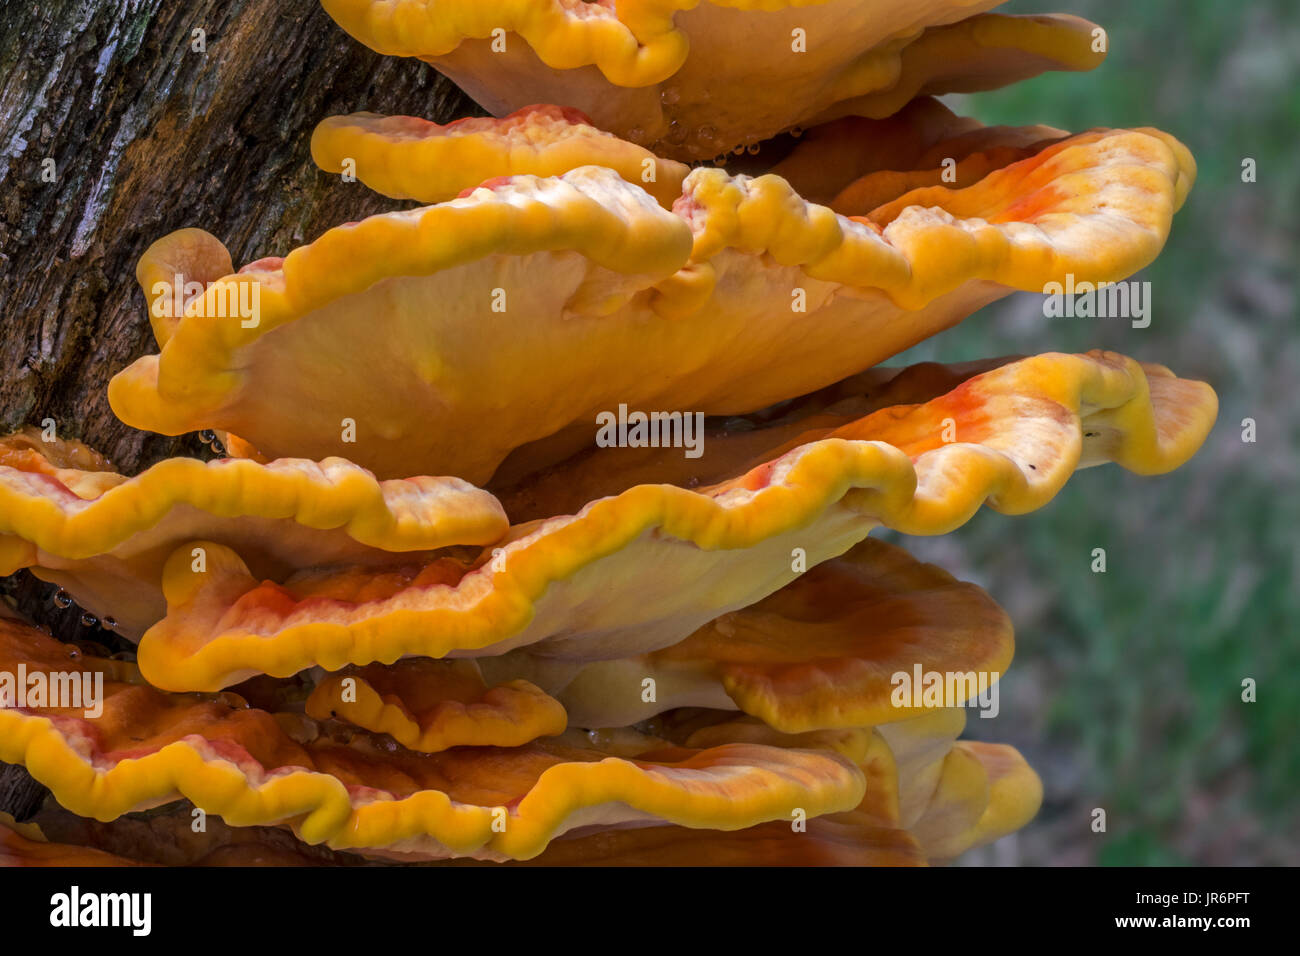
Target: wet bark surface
119	123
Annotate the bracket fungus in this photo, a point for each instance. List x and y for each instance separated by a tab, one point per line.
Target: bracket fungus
148	747
580	586
822	652
104	537
405	157
568	650
496	326
680	76
145	748
429	705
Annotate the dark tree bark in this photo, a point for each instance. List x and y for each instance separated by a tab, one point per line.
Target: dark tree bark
148	134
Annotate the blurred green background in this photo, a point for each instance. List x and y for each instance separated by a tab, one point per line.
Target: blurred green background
1126	689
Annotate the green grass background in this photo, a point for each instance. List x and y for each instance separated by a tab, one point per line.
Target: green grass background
1126	689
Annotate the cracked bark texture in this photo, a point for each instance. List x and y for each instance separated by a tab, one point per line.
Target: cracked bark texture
148	134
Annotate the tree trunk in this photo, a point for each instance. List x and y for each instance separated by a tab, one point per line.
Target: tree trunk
151	126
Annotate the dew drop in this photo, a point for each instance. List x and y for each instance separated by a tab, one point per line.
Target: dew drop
739	150
110	623
720	160
74	653
670	96
207	436
62	599
752	149
218	449
89	620
796	131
